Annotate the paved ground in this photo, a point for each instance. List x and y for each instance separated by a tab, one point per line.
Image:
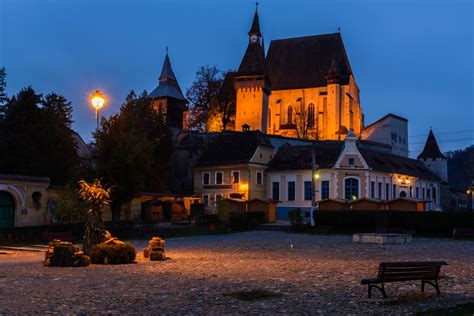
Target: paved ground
313	275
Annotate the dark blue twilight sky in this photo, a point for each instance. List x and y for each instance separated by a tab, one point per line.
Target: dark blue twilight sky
412	58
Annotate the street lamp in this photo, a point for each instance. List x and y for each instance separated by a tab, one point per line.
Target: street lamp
97	101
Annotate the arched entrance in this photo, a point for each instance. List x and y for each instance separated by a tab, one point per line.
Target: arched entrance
7	210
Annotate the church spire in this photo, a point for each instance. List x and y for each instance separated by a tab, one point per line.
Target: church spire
167	72
255	28
431	149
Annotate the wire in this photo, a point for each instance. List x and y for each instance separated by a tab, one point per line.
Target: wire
446	141
445	133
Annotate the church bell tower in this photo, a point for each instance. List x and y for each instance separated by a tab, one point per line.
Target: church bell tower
251	84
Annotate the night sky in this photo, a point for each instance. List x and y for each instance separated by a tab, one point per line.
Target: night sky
411	58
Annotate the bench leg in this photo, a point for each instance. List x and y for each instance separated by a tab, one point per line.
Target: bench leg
380	288
435	285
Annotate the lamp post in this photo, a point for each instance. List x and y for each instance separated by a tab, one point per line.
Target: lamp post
97	101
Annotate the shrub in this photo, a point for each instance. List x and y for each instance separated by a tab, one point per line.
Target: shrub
257	216
223	210
112	253
296	217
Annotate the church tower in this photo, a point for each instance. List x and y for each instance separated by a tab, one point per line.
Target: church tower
251	84
335	128
433	159
167	98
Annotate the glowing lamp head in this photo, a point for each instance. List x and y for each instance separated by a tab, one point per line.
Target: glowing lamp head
468	191
354	198
97	100
316	176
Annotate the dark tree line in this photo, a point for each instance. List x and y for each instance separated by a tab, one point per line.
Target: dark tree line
36	137
461	167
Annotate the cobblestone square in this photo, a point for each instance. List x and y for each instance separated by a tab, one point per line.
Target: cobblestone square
311	274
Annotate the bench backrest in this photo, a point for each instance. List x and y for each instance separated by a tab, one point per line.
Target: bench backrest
404	271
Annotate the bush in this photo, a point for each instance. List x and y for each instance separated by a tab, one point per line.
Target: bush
256	216
296	217
112	253
223	210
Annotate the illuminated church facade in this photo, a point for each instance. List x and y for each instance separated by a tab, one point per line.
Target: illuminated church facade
303	88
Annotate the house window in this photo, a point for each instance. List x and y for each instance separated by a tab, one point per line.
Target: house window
311	115
417	192
428	194
290	115
307	191
411	192
205	199
372	189
434	195
351	188
380	190
423	193
276	191
291	190
394	191
351	162
387	190
219	176
205	178
324	190
259	178
235	177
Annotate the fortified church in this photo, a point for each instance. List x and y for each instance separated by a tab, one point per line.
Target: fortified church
300	93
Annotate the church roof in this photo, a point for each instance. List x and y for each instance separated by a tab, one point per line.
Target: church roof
431	149
304	62
253	62
168	85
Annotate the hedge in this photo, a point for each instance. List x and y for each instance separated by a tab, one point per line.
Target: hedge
421	223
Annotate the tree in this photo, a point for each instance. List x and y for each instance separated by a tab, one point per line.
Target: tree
96	197
36	137
133	149
3	86
71	209
461	168
305	124
202	94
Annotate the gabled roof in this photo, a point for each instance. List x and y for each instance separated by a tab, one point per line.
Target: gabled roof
300	157
385	117
304	62
231	148
327	153
168	85
390	163
431	149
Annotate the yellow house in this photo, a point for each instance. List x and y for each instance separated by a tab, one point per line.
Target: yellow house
233	166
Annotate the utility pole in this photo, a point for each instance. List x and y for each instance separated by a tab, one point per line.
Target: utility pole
313	182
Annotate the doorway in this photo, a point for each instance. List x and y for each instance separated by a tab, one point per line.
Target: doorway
7	210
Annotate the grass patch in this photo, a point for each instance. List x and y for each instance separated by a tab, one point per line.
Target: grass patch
253	295
460	310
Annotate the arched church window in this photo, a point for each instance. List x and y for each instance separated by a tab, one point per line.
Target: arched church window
311	115
290	115
351	188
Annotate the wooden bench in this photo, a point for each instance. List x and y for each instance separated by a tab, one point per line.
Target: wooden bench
63	236
463	233
388	272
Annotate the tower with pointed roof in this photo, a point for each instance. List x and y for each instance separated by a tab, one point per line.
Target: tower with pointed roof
251	84
303	87
433	158
168	98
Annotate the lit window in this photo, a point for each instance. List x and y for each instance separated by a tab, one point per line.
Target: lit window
351	188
